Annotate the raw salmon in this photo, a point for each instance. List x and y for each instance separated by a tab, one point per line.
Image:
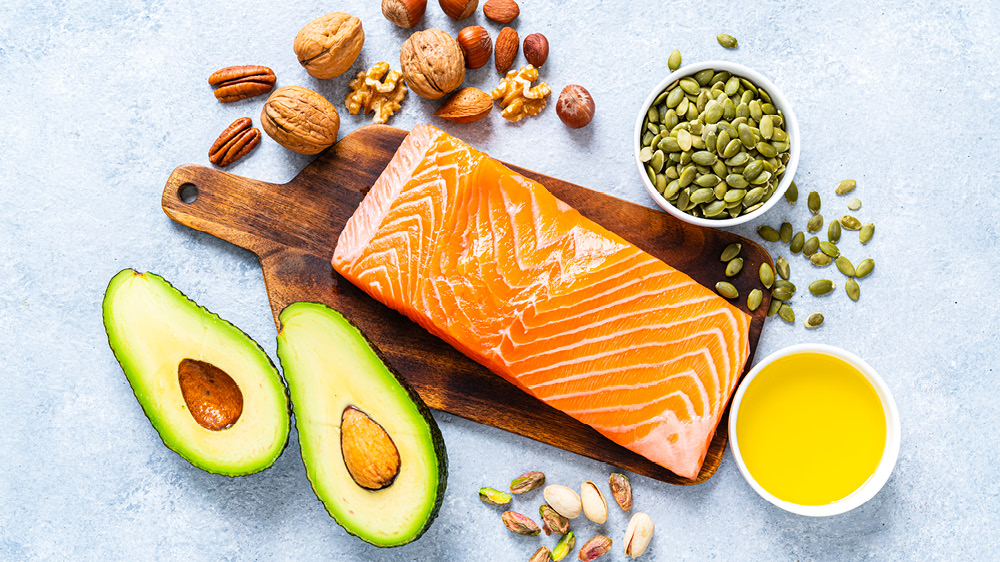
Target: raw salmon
495	265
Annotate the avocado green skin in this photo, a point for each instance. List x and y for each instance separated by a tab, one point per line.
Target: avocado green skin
122	276
437	439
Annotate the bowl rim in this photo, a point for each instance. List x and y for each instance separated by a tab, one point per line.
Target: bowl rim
890	454
777	98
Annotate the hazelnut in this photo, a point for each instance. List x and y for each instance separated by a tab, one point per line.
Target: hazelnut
433	63
459	9
575	106
536	49
501	11
477	46
329	45
404	13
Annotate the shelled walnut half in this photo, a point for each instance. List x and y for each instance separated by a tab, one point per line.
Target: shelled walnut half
378	90
517	97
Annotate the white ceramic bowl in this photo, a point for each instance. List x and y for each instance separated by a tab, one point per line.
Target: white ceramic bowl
867	490
779	101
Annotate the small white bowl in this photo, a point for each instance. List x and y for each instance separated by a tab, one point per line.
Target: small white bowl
777	98
885	466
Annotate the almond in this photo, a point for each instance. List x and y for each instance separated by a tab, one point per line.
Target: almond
465	106
477	46
404	13
536	49
459	9
506	49
501	11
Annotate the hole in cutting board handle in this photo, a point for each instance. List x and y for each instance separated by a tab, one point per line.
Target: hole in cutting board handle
187	193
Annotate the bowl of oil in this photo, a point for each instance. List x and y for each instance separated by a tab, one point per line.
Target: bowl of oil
814	430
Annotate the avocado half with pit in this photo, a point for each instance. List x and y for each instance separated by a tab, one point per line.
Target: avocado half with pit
371	448
210	391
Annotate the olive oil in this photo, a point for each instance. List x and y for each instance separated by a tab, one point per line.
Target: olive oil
811	428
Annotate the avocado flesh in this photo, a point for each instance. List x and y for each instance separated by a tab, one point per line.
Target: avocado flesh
330	366
152	327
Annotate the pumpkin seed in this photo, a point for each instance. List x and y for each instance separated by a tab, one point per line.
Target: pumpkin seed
850	223
853	289
684	140
683	200
855	204
731	150
822	287
846	187
735	196
734	267
674	97
786	232
781	264
820	259
833	231
703	157
704	77
657	161
815	223
766	127
687	176
746	135
845	266
782	293
731	251
753	169
866	232
814	320
786	313
737	181
690	86
674	61
727	290
814	202
703	195
786	284
754	299
829	248
653	115
865	267
766	149
732	86
766	275
707	180
672	188
768	233
727	41
797	242
645	154
714	208
772	308
752	197
661	182
671	120
792	194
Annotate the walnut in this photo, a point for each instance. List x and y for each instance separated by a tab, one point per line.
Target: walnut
300	120
433	63
517	97
329	45
369	91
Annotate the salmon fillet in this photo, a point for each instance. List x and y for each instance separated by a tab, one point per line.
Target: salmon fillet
571	313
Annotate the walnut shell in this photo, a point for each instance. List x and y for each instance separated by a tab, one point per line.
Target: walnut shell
329	45
300	120
433	63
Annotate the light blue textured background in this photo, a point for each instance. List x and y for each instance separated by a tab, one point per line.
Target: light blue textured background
101	100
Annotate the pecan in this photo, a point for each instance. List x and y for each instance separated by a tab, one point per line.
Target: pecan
234	143
236	83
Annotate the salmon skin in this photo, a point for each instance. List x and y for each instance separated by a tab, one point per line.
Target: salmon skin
571	313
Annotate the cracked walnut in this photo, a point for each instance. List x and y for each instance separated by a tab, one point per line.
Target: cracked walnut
378	90
517	97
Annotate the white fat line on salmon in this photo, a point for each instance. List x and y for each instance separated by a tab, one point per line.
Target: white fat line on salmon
710	404
664	418
392	256
685	397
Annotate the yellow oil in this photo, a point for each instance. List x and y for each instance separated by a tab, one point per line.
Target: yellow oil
810	428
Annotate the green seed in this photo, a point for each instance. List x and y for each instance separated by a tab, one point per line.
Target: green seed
781	264
786	232
786	284
768	233
727	290
734	267
766	127
754	300
792	194
746	135
645	154
814	201
674	61
766	149
713	112
738	158
752	197
684	140
731	251
782	293
657	161
766	275
866	232
833	231
829	248
727	41
702	195
772	308
853	289
707	180
786	313
797	242
810	246
674	97
735	196
737	181
713	209
653	115
563	547
855	204
820	259
703	158
822	287
845	266
846	187
753	169
850	223
687	176
815	223
704	77
690	86
865	267
814	320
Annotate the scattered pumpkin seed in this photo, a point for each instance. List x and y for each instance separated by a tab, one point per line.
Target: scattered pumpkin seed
820	259
782	293
855	204
822	287
772	308
754	299
674	61
766	275
786	232
768	233
829	248
814	320
734	267
786	284
727	41
813	202
781	264
786	313
792	194
850	223
853	289
866	232
797	242
833	231
727	290
731	251
845	266
846	187
865	267
815	223
810	246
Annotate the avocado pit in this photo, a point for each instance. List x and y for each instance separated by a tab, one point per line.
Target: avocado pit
213	398
371	457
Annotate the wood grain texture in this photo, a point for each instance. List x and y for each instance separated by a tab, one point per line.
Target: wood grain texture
293	229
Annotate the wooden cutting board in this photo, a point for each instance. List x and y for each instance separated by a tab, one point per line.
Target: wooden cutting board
293	228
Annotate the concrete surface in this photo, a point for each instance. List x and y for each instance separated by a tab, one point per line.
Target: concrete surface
101	100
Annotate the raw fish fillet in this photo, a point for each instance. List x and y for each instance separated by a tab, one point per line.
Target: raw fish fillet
571	313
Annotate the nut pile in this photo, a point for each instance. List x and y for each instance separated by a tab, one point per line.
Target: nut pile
562	504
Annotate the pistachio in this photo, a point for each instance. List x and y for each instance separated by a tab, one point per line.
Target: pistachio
674	60
594	548
846	187
768	233
766	275
520	524
734	267
527	482
621	490
731	251
543	554
820	259
638	534
813	201
810	246
865	267
772	308
595	507
853	289
782	293
822	287
792	194
781	264
754	300
727	290
850	223
494	497
564	546
552	520
855	204
564	500
866	232
814	320
815	223
845	266
795	246
829	248
833	231
786	313
786	232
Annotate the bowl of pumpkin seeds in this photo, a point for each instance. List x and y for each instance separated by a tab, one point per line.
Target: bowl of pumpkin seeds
716	144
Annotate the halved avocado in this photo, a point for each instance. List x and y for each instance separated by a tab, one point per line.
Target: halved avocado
209	390
372	450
